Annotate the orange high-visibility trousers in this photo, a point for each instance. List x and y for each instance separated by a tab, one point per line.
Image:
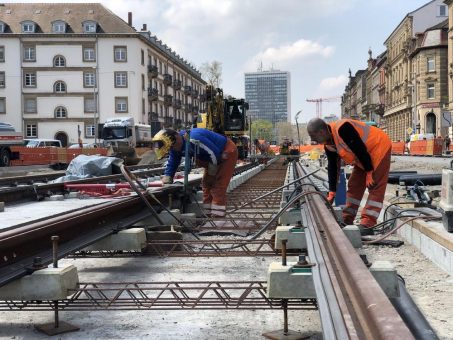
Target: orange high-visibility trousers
356	189
214	191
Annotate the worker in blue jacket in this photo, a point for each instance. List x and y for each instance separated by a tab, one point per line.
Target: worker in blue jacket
214	152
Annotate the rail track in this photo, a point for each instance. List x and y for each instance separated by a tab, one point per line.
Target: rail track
350	302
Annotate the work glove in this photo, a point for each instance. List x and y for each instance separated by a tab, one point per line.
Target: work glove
212	169
208	181
369	179
331	197
167	179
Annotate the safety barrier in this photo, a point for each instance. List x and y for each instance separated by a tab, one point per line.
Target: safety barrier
430	147
52	155
398	148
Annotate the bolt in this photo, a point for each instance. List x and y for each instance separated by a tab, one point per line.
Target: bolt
55	250
284	252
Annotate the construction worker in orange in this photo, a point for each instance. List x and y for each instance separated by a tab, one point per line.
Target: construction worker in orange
368	149
214	152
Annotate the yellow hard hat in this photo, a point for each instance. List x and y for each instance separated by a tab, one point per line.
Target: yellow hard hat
163	141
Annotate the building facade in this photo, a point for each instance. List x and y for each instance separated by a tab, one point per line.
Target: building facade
269	95
399	112
65	68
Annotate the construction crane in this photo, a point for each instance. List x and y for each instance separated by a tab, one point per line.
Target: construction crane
319	102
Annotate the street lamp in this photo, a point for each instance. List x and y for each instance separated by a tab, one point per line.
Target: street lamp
297	126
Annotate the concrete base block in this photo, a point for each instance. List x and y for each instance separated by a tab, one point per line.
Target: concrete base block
44	284
2	206
290	217
188	216
194	208
169	235
352	232
164	216
129	239
55	198
295	237
285	282
385	274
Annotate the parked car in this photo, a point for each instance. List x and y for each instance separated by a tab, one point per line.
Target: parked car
40	142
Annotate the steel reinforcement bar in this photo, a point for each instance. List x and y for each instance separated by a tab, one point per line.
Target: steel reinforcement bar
366	311
164	296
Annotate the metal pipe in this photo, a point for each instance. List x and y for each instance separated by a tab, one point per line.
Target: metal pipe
55	250
284	252
425	179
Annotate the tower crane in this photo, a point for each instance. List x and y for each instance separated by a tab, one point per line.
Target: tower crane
319	102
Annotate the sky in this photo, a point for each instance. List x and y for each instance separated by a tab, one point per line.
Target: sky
317	41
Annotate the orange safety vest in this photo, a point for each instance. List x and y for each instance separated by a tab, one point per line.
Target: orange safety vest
376	141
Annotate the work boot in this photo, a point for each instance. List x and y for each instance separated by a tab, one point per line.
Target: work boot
365	231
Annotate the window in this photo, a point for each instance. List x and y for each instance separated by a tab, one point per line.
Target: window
143	82
59	27
29	53
60	112
30	105
2	105
2	54
120	53
120	79
431	64
89	130
28	27
89	105
2	79
2	27
88	54
89	79
59	61
89	26
143	57
120	104
30	79
31	130
430	91
59	87
442	11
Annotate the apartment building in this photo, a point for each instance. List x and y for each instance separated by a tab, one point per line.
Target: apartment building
399	114
65	68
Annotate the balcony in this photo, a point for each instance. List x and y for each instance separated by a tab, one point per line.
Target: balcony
203	97
153	116
153	71
178	123
168	79
195	109
188	90
188	108
194	94
168	100
177	103
177	84
153	93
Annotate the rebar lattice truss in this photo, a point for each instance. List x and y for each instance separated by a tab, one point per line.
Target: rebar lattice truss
164	296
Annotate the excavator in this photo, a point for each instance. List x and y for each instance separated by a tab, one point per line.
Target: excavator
227	116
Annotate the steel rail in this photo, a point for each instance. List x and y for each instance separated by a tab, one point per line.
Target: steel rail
200	295
372	314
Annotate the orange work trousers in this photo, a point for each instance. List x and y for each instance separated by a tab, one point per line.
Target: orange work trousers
356	189
215	189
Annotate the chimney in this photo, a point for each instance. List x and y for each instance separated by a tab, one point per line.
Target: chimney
129	18
144	28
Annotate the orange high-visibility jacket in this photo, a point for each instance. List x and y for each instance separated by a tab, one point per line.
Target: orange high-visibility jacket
376	141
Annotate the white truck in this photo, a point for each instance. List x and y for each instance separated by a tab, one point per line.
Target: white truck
127	139
8	138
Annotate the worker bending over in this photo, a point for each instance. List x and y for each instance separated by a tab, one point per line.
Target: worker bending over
367	148
212	151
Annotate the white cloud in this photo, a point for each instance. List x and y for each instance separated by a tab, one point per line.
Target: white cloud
286	54
333	84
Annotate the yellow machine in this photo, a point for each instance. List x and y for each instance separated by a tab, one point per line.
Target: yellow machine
227	116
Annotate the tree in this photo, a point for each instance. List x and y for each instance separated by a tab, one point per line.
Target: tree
212	72
262	129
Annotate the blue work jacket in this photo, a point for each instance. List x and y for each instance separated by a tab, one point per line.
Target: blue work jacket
205	145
